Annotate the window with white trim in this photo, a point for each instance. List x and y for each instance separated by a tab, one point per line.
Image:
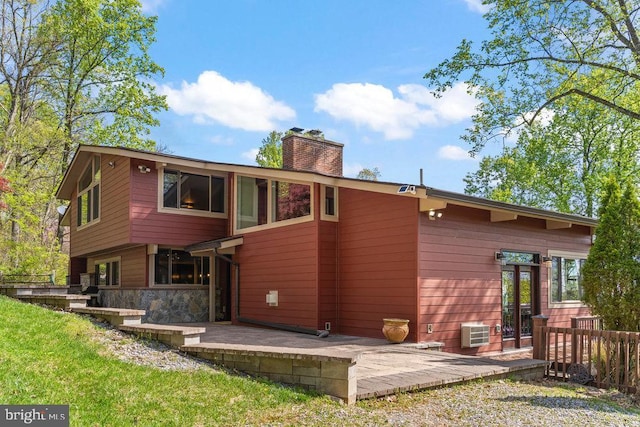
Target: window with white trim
194	192
108	272
330	201
89	193
566	278
262	201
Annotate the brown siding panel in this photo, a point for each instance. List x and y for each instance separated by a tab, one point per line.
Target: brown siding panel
150	226
378	241
133	266
460	279
283	259
112	229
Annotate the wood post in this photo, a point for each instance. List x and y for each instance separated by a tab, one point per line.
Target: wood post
539	337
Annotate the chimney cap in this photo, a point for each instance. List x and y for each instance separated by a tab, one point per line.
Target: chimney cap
296	130
315	132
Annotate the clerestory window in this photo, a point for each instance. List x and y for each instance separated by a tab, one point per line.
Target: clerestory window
89	193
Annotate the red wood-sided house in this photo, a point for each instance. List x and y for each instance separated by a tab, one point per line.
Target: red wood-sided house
304	248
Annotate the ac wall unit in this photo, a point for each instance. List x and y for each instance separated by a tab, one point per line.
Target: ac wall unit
474	335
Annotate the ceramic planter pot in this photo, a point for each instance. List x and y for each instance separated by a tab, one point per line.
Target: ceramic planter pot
395	330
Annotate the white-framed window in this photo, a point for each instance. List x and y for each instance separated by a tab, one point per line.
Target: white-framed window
565	278
261	201
107	272
89	193
329	203
193	193
177	267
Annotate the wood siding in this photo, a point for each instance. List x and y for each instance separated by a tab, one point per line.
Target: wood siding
283	259
460	281
328	274
378	240
133	266
176	230
112	229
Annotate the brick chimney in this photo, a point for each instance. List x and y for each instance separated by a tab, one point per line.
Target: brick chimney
311	153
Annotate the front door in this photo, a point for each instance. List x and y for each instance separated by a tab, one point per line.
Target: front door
519	302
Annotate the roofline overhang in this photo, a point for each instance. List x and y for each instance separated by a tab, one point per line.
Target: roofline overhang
432	198
502	211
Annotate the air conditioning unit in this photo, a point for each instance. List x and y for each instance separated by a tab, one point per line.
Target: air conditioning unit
474	334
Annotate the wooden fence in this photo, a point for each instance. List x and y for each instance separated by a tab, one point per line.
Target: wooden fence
592	356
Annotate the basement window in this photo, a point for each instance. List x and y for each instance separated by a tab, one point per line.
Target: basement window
108	272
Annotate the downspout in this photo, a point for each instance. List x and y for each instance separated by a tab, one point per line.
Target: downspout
282	326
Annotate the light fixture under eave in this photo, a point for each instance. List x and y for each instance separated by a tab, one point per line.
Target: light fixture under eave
112	164
144	169
433	215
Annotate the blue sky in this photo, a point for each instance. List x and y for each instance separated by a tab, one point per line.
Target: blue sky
237	69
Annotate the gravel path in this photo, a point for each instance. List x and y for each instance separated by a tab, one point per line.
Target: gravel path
494	403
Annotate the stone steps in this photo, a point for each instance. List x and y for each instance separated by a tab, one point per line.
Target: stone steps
173	335
31	289
125	319
115	316
63	301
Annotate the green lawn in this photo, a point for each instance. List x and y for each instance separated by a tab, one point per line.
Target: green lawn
48	357
52	357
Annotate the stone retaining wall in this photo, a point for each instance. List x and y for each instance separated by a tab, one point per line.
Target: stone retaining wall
161	305
331	375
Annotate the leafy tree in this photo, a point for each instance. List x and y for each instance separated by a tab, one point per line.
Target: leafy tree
100	83
611	274
559	165
270	153
545	51
369	174
71	71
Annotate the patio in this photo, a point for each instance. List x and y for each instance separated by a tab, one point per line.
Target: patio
346	367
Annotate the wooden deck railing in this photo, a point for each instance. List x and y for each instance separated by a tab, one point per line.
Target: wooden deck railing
604	359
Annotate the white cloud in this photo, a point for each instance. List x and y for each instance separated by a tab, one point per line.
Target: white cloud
477	6
397	117
250	155
453	152
152	6
215	99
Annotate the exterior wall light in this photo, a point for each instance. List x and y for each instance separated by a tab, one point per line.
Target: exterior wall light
143	169
433	215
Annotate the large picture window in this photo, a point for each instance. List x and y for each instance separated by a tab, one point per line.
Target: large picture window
182	190
566	279
89	193
256	197
176	267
